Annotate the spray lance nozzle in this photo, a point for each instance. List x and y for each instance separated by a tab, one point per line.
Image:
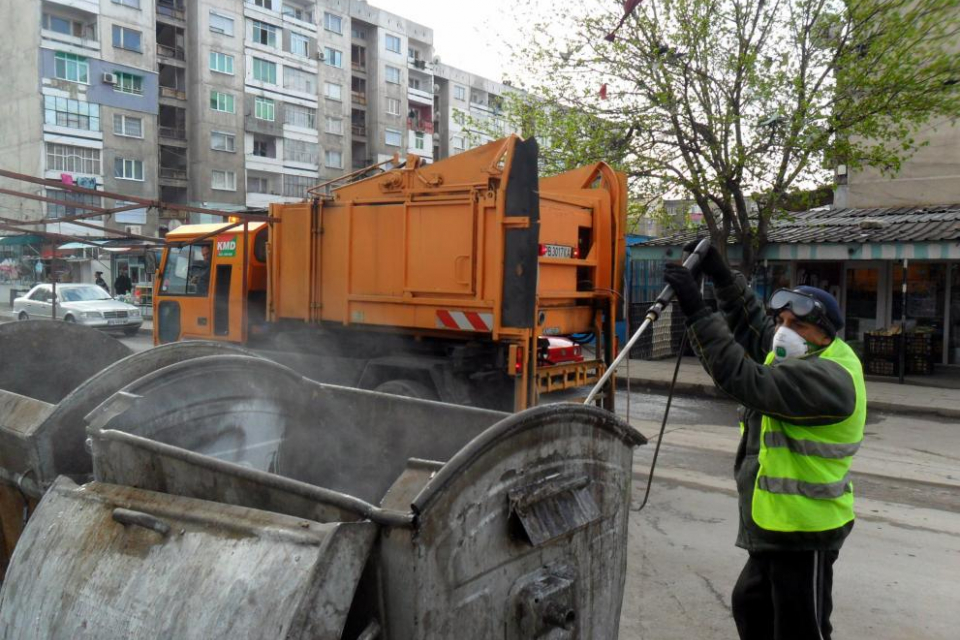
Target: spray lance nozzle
692	263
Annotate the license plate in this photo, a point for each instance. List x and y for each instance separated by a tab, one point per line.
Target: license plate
117	321
558	251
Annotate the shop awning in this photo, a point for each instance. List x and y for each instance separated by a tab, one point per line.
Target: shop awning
13	241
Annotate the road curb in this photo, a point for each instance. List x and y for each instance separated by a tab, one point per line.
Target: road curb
693	388
9	317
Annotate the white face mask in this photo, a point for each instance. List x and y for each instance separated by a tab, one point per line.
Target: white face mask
787	343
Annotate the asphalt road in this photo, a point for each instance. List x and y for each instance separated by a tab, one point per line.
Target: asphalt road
897	574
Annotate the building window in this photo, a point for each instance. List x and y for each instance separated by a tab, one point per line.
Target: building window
457	145
64	157
125	169
264	33
460	93
263	4
393	138
223	180
221	62
264	109
72	68
299	45
359	34
127	126
301	151
333	91
61	210
392	75
256	184
393	43
133	4
125	38
221	24
418	141
69	27
298	116
75	114
333	57
264	71
300	80
222	102
334	159
264	147
393	106
296	186
333	23
335	125
413	83
297	13
128	83
222	141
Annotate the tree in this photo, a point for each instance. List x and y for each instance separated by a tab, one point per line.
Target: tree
728	100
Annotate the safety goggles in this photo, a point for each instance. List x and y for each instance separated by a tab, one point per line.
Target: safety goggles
804	307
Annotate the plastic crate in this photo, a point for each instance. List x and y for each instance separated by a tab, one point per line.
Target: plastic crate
880	346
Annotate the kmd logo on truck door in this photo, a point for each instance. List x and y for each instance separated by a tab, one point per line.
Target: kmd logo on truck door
226	246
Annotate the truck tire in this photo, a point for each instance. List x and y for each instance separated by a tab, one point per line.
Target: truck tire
408	389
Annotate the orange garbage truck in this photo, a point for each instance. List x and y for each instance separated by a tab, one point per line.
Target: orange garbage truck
450	281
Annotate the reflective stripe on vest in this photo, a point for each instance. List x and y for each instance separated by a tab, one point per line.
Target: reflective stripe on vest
808	489
773	439
803	483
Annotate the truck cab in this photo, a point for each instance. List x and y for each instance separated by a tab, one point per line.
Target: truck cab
212	282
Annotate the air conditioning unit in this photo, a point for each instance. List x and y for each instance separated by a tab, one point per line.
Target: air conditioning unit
320	56
135	229
109	78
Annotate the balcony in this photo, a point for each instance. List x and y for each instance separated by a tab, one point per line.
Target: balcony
358	97
172	173
420	126
174	133
166	51
172	8
359	130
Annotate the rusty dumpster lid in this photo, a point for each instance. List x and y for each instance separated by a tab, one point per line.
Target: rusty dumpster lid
105	561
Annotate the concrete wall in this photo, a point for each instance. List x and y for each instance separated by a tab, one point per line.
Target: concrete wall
931	176
21	128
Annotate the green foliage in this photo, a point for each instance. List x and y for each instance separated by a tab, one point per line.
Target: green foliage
720	99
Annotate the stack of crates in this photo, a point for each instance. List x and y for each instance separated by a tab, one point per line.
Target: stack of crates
663	340
881	354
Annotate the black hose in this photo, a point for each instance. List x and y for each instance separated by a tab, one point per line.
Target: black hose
663	425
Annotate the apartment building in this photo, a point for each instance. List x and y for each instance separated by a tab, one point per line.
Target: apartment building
80	99
468	108
226	104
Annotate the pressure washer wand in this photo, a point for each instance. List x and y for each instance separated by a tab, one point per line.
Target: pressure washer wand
653	314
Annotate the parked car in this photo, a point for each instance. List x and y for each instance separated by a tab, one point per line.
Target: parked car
85	304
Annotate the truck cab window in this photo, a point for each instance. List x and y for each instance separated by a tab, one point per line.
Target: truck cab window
187	271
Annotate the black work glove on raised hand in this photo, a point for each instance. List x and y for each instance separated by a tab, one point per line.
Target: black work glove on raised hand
712	264
685	288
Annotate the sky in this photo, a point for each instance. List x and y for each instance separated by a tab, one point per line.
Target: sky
465	33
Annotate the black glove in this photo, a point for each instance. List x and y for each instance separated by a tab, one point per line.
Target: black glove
685	288
712	264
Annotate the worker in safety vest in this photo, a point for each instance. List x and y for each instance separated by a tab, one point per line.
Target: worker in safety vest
804	408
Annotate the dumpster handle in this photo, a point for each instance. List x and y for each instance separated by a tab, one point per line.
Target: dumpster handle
141	519
372	632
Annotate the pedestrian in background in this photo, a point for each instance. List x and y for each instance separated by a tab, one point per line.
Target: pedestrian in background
122	285
802	420
100	282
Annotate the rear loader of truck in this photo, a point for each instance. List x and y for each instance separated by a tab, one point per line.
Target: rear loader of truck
437	281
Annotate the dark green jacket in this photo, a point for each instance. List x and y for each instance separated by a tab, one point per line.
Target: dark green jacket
808	391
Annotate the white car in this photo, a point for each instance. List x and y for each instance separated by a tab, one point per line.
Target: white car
85	304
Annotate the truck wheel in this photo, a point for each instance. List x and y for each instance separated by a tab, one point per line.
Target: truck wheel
409	389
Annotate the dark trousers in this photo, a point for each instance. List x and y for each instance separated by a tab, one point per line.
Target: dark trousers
785	595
